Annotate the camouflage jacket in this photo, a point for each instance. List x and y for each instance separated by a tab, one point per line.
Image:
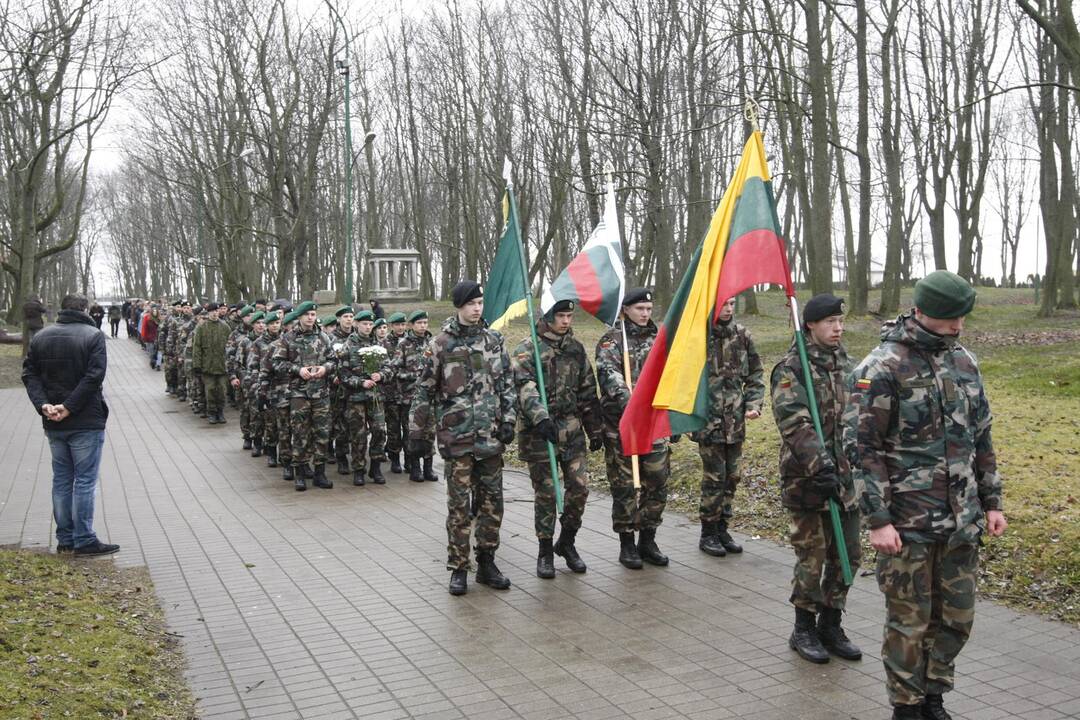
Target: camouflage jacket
275	389
735	384
571	393
351	370
187	337
408	356
253	363
300	349
233	359
239	357
208	348
922	423
164	330
614	393
338	339
389	389
801	453
466	380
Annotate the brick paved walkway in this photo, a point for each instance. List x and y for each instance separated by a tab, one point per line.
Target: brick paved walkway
333	604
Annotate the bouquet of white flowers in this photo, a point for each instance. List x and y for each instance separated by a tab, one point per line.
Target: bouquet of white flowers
372	358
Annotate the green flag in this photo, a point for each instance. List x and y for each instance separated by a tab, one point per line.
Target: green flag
505	296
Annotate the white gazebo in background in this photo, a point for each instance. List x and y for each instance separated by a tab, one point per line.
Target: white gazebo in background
393	274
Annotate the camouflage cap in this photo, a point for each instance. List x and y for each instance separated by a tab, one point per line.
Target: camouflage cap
944	295
397	317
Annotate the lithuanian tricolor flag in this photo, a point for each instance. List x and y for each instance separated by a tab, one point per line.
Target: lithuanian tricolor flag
742	248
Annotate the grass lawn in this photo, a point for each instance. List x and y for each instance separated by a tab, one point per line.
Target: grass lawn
10	366
1032	371
82	639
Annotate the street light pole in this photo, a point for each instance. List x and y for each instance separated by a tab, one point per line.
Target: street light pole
343	70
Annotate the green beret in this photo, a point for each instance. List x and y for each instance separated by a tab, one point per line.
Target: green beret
257	316
306	306
379	323
364	315
418	315
344	309
270	317
944	295
396	318
289	319
328	320
246	310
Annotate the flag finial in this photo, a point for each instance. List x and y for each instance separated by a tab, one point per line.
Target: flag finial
508	170
752	111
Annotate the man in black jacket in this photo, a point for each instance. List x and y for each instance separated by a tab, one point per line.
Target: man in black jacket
63	372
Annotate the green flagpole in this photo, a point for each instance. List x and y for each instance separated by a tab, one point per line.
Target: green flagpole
536	344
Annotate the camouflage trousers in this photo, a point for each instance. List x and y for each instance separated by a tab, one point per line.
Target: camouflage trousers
181	383
214	386
367	432
397	426
574	476
929	593
471	482
170	371
245	412
309	421
633	510
339	409
195	393
279	432
818	581
720	478
256	420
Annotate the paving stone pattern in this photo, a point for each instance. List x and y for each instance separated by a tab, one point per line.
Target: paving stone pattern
333	604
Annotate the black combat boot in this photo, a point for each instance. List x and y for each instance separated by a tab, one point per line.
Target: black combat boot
375	471
181	396
358	478
271	455
907	712
545	560
729	544
256	447
319	479
343	465
429	474
414	471
299	482
459	582
247	443
395	463
934	709
628	552
565	549
648	550
710	542
332	453
287	472
833	637
487	573
804	639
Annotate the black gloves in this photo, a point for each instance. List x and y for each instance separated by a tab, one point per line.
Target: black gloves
826	484
597	443
546	429
505	434
420	448
676	438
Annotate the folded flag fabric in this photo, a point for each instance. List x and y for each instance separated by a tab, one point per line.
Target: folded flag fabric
505	295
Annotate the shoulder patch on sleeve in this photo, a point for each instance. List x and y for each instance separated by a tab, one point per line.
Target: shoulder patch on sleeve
863	383
785	383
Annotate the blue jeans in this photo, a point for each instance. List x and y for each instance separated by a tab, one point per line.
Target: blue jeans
76	457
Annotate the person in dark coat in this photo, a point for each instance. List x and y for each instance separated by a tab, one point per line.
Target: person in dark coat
33	310
376	309
97	313
63	373
114	319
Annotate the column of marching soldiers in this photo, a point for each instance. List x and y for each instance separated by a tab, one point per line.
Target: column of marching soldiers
906	440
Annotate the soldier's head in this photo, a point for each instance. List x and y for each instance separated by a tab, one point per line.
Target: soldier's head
397	323
364	321
307	314
823	320
381	329
273	324
468	297
260	304
345	316
942	300
258	324
419	321
213	311
637	306
727	311
560	317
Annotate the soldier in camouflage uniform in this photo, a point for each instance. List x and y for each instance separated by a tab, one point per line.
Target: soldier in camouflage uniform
364	414
208	358
631	510
925	455
339	395
306	357
176	346
249	390
236	365
812	474
166	331
396	407
276	391
196	392
467	382
406	369
736	392
571	422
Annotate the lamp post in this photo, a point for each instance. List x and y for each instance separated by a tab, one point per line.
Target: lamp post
343	70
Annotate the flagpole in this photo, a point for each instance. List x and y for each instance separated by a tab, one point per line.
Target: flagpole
630	387
536	344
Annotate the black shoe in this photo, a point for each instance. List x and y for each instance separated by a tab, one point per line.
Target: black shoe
907	712
343	466
95	549
256	448
271	455
182	397
565	549
933	709
429	474
395	463
648	550
319	478
358	479
628	552
287	472
247	443
726	540
804	639
710	542
64	549
459	582
545	560
487	573
299	482
375	471
833	637
414	471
